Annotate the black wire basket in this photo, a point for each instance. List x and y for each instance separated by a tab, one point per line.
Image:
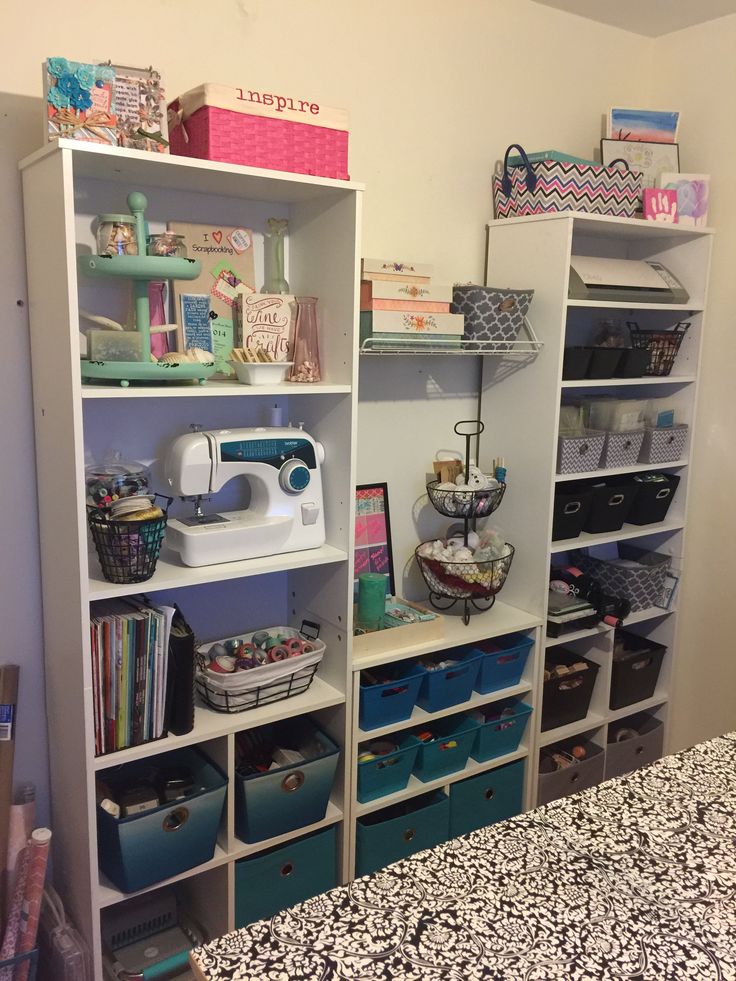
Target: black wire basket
662	345
463	503
128	550
465	580
274	691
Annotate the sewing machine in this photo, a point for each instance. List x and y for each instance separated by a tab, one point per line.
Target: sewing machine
286	511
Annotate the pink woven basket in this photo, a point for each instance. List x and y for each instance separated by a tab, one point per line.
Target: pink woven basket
211	133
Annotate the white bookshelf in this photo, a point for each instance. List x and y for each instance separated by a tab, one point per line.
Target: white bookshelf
65	186
523	410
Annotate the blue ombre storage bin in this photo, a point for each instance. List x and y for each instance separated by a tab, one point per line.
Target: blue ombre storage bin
449	750
280	877
450	686
392	701
401	830
487	798
502	661
291	797
497	734
389	773
136	851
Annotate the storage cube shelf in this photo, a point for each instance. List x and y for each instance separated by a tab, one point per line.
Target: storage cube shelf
65	185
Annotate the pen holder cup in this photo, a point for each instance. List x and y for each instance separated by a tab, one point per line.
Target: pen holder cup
128	550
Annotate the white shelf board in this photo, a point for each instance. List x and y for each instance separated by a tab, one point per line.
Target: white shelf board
609	226
641	616
108	894
586	540
692	307
561	478
209	724
241	850
500	619
649	703
189	174
172	574
617	382
420	717
213	389
591	721
416	786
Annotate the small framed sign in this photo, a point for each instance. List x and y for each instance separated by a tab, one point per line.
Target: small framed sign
373	552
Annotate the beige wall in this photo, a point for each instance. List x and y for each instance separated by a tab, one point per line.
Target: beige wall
695	72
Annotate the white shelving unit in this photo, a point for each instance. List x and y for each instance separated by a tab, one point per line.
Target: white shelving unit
65	186
523	410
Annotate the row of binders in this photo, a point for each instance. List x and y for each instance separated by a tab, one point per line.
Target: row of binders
130	655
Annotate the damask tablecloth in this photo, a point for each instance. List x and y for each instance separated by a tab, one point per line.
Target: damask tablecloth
634	880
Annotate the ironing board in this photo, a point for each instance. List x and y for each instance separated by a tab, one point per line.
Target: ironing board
634	879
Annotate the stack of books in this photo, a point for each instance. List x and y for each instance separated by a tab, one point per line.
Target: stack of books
130	647
401	307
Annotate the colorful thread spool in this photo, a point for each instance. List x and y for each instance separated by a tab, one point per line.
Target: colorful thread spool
270	643
223	665
246	650
294	646
278	653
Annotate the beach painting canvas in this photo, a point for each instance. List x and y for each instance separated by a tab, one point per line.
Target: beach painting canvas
693	191
643	125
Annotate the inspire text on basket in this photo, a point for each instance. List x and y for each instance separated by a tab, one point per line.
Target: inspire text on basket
279	102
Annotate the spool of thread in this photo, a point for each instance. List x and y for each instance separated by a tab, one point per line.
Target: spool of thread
276	417
371	599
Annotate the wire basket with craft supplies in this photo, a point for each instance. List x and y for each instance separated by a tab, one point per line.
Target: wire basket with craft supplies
663	346
258	668
456	503
128	535
454	572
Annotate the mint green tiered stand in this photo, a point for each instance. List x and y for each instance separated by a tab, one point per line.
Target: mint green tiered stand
142	269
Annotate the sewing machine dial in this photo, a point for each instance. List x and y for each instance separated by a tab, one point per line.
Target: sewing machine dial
294	476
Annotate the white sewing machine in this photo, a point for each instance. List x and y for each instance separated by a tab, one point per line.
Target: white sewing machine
286	511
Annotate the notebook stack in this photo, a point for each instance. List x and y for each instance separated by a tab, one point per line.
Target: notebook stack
400	307
129	645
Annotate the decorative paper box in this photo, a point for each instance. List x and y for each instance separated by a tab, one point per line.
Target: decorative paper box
265	320
260	129
383	290
396	322
226	254
394	267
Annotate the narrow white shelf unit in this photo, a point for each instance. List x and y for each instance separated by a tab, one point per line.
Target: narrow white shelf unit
522	409
65	186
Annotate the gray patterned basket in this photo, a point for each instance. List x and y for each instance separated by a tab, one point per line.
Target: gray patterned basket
663	445
622	449
579	452
491	314
639	578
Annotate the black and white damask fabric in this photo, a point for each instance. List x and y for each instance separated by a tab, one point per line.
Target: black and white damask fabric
634	880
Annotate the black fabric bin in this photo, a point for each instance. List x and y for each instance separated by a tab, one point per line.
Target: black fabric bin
610	505
575	362
653	500
604	362
567	699
571	507
633	364
637	662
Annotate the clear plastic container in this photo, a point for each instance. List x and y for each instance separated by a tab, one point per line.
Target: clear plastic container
166	244
616	415
106	482
116	235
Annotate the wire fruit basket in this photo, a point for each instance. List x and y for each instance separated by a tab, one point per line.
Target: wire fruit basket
128	550
662	345
477	582
463	503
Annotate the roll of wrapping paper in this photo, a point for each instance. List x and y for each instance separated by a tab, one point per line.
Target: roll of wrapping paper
371	599
8	698
38	857
15	911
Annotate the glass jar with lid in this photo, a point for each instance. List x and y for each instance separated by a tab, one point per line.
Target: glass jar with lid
166	244
116	235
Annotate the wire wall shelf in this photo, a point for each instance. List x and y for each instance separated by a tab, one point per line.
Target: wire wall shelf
526	348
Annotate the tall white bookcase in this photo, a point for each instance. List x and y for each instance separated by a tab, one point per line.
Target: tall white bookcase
65	186
523	409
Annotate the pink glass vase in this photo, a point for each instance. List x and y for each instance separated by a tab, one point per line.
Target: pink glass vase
306	367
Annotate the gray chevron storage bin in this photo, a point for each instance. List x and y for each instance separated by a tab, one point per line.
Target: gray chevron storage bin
637	575
491	314
663	445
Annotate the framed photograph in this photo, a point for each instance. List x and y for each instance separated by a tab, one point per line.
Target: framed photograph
693	192
643	125
650	159
373	551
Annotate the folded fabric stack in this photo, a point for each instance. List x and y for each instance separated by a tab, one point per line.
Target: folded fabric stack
401	307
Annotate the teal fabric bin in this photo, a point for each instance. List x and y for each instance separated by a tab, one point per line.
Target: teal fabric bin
500	733
487	798
280	877
388	773
449	750
401	830
290	797
136	851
